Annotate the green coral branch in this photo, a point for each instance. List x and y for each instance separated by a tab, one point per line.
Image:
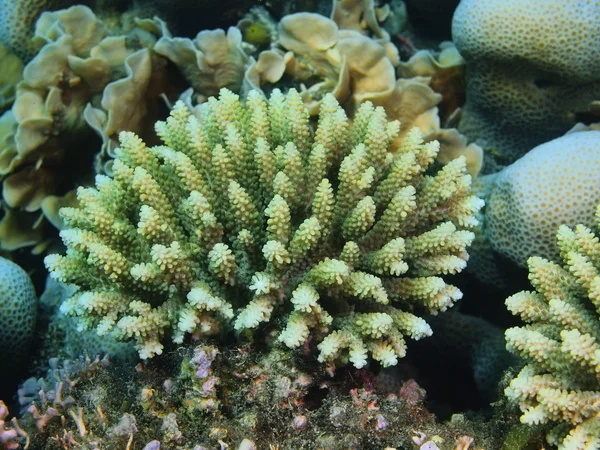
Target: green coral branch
246	213
560	342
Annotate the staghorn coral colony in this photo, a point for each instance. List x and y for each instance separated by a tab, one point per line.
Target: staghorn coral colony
246	213
244	228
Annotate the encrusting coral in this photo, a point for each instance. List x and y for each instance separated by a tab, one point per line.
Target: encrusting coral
246	213
560	383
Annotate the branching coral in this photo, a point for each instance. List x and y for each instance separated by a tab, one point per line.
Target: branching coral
561	381
245	214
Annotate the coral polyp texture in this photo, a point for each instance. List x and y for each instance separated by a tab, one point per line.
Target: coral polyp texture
532	68
18	310
560	383
556	183
246	215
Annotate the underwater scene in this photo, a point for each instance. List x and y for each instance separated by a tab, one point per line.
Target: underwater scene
300	224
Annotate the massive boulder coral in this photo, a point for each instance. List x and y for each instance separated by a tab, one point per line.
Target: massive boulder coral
17	18
245	213
12	68
560	383
556	183
18	312
532	65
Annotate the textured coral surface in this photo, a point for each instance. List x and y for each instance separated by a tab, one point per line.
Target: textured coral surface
18	307
17	19
554	184
247	213
560	383
554	35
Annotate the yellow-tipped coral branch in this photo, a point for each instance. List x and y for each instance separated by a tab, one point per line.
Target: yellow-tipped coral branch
246	214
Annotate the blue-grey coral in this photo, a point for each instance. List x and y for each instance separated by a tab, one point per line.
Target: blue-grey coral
247	213
65	339
18	310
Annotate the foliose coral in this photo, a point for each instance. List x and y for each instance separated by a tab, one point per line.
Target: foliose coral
247	213
446	68
12	67
211	61
340	56
560	383
81	61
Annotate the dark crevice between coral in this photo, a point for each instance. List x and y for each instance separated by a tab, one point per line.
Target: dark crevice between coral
432	18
